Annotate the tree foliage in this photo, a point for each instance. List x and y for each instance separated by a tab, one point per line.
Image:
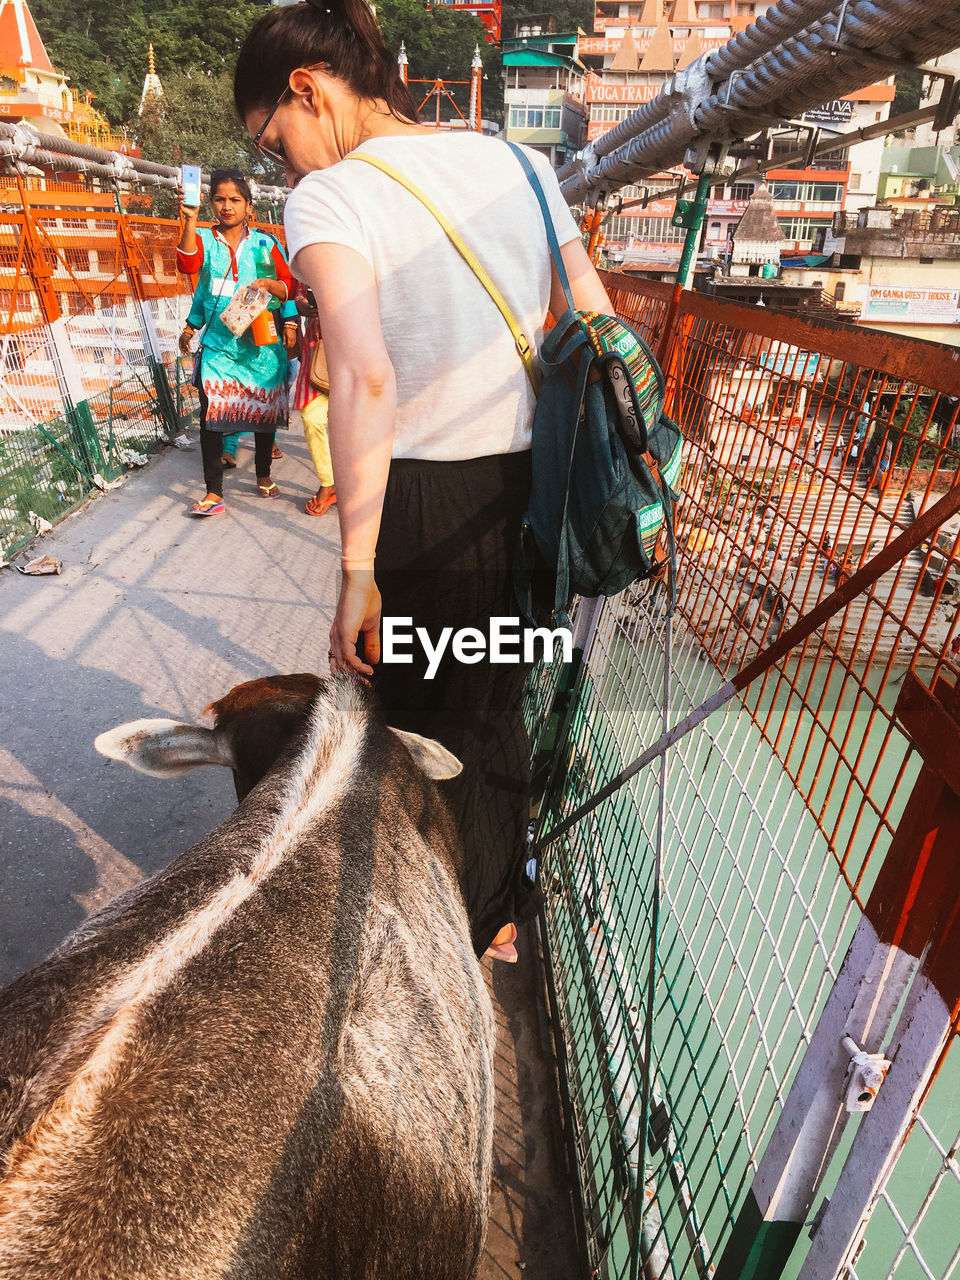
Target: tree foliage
909	89
569	14
102	44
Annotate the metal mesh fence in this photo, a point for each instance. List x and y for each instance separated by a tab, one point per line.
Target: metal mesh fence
690	972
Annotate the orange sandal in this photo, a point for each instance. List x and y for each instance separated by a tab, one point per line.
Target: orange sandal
317	506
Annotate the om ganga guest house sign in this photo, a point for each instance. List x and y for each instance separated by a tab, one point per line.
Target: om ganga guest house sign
899	303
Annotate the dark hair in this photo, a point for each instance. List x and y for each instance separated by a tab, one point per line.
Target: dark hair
343	34
219	176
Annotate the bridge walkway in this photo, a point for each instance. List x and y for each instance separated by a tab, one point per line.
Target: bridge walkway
156	614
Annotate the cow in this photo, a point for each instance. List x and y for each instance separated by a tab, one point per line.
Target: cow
274	1058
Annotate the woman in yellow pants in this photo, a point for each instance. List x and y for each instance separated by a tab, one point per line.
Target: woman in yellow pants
313	405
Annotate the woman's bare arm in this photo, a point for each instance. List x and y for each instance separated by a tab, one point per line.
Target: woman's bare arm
363	408
586	286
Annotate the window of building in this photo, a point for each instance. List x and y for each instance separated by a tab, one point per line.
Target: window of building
850	261
855	180
799	228
742	191
829	192
656	230
926	261
609	112
839	292
534	118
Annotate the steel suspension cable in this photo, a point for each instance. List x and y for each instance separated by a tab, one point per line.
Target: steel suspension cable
23	144
738	90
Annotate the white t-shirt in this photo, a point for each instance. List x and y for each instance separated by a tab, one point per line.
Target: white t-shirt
462	391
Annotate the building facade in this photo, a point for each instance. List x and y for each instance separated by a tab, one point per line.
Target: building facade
899	267
544	90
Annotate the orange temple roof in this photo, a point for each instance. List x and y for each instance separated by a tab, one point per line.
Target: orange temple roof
20	43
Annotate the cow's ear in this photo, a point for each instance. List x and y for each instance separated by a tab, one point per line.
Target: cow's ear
435	761
163	748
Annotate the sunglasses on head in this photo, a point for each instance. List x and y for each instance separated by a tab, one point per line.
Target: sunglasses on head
225	175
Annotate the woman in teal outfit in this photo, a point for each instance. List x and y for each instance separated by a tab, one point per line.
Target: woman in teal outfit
242	385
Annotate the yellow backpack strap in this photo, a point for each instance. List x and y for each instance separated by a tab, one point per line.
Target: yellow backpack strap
523	346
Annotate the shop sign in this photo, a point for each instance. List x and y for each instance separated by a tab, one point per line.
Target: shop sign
837	112
29	110
602	91
887	302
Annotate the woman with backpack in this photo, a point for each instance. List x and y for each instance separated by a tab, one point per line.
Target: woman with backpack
430	403
242	384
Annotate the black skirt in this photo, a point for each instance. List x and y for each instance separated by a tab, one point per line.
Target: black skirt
444	559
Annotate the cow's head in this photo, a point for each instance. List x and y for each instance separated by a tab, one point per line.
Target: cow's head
254	724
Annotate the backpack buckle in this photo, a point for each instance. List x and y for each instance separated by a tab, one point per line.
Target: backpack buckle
523	346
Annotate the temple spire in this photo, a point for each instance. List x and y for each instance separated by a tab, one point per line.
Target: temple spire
152	88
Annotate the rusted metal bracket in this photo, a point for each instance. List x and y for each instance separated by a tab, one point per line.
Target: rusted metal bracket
930	721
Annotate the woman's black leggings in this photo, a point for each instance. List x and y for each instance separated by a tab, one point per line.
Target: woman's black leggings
211	448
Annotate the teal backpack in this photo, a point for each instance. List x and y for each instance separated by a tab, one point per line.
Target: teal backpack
606	458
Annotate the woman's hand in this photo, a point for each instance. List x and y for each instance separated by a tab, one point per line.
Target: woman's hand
291	336
188	212
306	308
358	613
276	287
186	337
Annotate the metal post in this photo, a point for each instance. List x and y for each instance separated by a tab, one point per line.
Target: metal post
151	340
476	81
594	225
906	949
690	214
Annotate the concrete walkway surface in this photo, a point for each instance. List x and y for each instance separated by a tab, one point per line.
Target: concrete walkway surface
157	614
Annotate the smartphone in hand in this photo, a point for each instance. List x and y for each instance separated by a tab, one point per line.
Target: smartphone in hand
190	184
